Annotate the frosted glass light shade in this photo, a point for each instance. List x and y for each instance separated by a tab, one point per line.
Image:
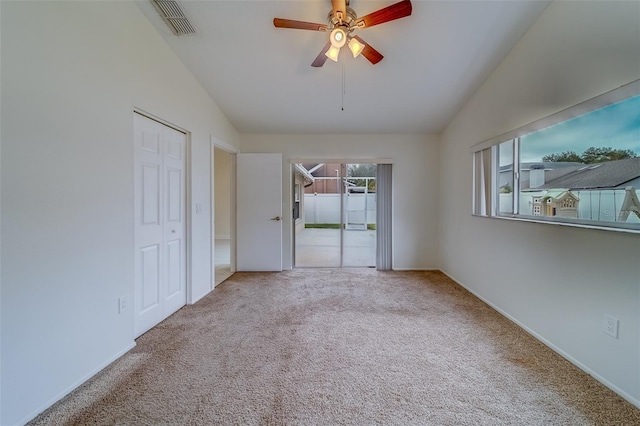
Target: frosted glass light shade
333	53
356	47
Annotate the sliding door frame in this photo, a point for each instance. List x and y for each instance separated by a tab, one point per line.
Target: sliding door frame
342	175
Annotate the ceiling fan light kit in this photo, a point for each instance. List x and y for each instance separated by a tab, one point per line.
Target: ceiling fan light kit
338	37
342	22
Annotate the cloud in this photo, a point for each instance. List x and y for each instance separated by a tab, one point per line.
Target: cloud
616	126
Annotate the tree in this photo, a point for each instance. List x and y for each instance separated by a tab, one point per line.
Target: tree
506	189
591	155
363	170
600	155
567	156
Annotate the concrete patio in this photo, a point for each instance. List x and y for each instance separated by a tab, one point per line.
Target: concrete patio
321	248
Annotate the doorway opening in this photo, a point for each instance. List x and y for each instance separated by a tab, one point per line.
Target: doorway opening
334	212
223	170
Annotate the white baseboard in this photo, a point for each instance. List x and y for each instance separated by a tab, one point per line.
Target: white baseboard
197	298
416	269
553	347
71	388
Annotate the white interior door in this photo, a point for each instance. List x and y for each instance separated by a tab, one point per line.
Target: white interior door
159	180
259	212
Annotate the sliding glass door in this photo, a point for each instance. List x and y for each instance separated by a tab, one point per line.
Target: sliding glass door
335	215
359	217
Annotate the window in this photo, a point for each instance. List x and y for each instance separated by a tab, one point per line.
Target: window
296	203
507	176
580	166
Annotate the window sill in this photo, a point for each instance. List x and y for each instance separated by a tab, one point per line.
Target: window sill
556	222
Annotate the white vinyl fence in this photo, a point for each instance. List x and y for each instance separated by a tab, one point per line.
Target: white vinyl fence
325	208
600	205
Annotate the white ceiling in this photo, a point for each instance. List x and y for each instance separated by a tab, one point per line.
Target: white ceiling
261	76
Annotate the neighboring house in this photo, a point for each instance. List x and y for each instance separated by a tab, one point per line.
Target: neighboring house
607	175
302	179
605	182
533	175
556	202
329	178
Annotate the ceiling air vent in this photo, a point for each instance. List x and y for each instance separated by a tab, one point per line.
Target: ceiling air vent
172	14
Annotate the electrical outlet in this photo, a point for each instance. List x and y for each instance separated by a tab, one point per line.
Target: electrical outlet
123	304
610	325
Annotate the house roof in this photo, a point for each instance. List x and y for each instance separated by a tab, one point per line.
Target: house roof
552	170
300	169
558	194
609	174
547	166
319	170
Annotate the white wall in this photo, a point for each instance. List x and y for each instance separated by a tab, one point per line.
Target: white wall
555	281
222	193
415	184
72	74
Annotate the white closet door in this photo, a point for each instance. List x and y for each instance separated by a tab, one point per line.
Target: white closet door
160	273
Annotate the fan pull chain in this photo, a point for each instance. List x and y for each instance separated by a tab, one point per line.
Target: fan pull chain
342	61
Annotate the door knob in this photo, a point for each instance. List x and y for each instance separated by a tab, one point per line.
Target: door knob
277	218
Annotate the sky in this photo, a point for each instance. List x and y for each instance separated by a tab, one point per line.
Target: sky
616	126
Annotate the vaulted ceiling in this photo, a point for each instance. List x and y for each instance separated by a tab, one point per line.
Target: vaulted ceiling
261	78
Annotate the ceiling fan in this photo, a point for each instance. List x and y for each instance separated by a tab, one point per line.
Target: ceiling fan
343	21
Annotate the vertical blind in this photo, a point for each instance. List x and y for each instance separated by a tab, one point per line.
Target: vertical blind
482	182
383	217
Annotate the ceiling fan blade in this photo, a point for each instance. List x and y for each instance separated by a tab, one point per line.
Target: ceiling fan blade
339	8
321	58
369	52
389	13
298	25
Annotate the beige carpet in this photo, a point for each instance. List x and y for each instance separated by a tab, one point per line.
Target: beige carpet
320	347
